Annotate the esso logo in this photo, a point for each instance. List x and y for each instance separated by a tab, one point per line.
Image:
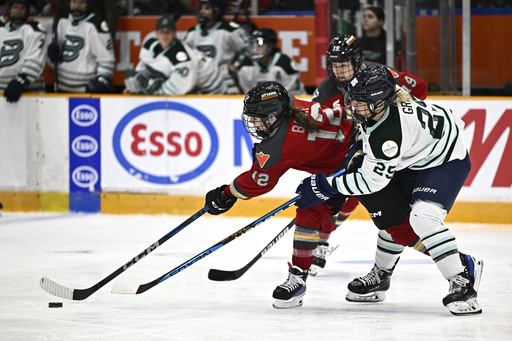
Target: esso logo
85	177
84	115
84	146
165	143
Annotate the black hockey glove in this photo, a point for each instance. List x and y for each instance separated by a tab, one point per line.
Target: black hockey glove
354	158
54	52
99	85
15	87
217	202
314	190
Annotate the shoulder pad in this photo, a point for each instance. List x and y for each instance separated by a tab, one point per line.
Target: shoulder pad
149	42
386	140
100	24
177	53
228	26
286	63
36	26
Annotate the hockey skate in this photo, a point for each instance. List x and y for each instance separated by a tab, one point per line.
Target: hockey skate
462	298
321	252
372	287
291	293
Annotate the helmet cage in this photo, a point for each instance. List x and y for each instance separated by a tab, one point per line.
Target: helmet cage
344	48
265	107
264	37
374	86
18	20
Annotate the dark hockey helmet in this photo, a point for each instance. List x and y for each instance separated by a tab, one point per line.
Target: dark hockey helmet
263	36
219	6
343	48
18	20
376	87
265	107
79	13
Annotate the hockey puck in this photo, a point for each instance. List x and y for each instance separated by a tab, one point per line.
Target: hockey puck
55	305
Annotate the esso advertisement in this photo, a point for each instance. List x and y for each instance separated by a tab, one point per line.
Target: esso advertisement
165	142
84	145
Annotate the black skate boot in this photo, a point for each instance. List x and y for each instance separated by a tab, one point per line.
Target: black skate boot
372	287
462	299
321	252
291	293
474	268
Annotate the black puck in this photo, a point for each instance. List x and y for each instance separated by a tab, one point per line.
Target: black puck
55	305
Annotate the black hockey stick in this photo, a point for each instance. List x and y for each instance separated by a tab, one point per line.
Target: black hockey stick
125	288
226	275
80	294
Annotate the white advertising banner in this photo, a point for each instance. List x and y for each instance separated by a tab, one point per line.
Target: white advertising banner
188	145
13	144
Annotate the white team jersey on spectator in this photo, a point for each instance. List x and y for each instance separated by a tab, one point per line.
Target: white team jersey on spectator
186	70
414	135
281	69
88	52
23	50
221	43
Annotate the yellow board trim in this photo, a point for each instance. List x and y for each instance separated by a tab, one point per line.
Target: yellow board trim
135	203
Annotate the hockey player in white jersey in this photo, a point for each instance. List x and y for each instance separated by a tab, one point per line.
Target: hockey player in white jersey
168	67
84	51
266	63
217	38
22	57
421	147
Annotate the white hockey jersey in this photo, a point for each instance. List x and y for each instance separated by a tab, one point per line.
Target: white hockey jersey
186	70
282	69
88	52
221	43
414	135
23	50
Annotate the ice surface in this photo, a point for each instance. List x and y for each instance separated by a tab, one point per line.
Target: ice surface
79	250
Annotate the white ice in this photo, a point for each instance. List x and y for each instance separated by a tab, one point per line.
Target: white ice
78	250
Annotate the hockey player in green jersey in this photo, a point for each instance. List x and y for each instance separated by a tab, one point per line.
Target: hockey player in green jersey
169	67
421	147
83	50
22	56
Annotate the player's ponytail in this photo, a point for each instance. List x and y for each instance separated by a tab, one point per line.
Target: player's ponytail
303	120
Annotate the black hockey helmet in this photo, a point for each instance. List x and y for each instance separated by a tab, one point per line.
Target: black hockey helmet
375	86
261	36
19	20
265	107
79	13
219	6
344	48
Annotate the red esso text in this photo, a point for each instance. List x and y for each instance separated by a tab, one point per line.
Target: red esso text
191	143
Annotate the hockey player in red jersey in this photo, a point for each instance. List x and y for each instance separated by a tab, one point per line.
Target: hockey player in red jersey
298	135
344	61
309	137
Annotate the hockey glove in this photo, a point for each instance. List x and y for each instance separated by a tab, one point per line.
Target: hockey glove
217	202
54	52
99	85
354	157
15	87
314	190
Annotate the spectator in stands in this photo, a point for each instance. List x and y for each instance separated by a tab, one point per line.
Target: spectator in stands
217	38
169	67
22	46
373	42
266	63
83	51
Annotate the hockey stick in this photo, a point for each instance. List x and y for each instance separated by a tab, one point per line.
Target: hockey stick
80	294
226	275
125	288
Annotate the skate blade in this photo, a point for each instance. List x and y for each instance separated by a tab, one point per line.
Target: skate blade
376	296
291	303
469	307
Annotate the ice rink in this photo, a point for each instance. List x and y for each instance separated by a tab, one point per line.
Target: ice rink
79	250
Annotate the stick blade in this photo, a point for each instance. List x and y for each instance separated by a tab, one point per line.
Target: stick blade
56	289
125	288
221	275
